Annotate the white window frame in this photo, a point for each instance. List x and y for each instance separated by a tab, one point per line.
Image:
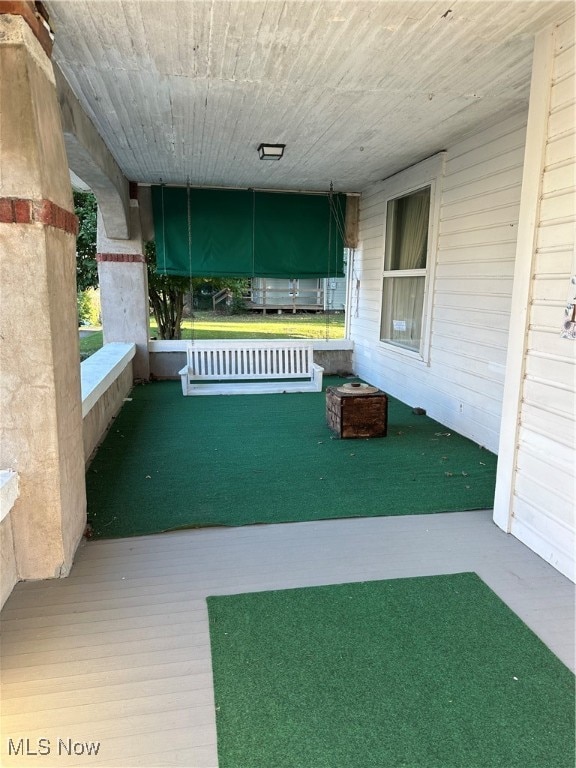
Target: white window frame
428	173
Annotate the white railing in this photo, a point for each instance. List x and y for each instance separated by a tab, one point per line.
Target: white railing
286	299
222	295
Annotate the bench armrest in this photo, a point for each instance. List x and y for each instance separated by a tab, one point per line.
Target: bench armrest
317	374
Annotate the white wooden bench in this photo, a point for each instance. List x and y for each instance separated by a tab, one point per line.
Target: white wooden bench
250	366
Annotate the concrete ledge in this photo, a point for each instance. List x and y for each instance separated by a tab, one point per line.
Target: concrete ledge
168	357
9	491
180	345
100	371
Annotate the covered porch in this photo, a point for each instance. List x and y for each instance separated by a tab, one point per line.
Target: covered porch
107	641
476	339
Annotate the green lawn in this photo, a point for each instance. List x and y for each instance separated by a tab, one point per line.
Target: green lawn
90	344
207	325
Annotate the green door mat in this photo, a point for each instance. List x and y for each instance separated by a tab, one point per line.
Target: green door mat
171	461
432	672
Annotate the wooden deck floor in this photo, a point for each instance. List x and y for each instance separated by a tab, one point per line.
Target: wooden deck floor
119	651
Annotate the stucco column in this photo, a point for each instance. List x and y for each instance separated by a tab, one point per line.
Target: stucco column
41	419
123	283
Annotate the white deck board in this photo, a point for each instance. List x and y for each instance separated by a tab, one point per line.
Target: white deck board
119	651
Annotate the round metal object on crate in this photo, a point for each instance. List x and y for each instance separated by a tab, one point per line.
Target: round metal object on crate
357	388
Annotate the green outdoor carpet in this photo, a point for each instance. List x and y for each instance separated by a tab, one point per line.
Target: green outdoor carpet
432	672
171	461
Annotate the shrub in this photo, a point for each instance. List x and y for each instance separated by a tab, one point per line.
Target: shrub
88	303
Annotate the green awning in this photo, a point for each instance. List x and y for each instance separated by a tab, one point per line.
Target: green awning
245	233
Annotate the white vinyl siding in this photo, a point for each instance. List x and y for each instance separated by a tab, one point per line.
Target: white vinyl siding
543	497
287	292
334	293
473	261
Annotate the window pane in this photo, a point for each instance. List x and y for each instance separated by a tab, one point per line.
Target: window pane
402	316
407	231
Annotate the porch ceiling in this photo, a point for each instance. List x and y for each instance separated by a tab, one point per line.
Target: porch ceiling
185	91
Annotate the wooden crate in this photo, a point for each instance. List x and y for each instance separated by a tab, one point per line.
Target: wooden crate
357	415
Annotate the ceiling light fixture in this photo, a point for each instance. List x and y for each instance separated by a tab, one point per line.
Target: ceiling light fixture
271	151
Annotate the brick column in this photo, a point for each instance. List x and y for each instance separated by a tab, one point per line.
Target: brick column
41	424
123	280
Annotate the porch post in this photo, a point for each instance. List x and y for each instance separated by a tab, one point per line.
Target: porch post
534	158
41	425
124	290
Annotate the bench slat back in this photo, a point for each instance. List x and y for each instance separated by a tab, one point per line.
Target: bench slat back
245	360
